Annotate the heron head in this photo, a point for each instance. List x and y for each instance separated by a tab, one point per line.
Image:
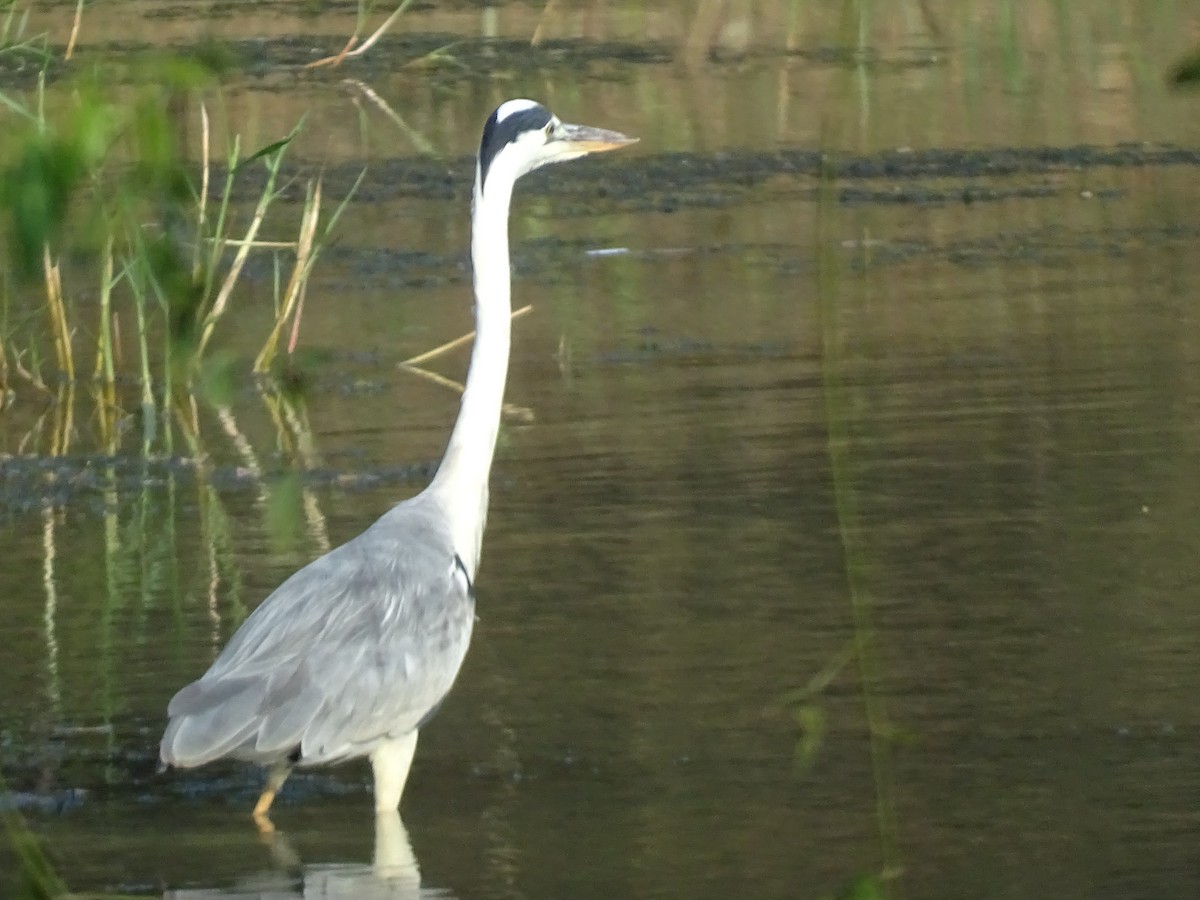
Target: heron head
522	135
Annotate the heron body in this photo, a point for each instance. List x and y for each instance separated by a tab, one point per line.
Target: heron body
353	653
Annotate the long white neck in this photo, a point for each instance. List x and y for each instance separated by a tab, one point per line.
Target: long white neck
461	482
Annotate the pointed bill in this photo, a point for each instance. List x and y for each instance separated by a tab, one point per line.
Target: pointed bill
592	140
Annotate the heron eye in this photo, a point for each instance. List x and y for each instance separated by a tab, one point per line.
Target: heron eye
549	129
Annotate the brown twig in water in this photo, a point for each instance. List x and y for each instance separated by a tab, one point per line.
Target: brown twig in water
411	133
70	51
521	413
31	377
351	50
539	33
457	342
434	377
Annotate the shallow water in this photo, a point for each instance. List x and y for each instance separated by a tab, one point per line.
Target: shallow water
961	378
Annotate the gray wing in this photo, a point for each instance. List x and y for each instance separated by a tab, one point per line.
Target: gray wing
359	645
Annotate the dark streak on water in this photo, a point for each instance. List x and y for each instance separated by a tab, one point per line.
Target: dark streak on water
673	181
29	484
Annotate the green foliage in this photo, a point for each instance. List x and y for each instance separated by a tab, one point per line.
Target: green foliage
285	511
95	176
36	878
813	723
1186	72
865	887
218	381
122	149
170	275
36	191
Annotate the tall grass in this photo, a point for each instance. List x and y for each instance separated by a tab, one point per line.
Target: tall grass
125	259
109	222
37	879
854	95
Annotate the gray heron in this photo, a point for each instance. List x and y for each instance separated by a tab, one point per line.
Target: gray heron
353	653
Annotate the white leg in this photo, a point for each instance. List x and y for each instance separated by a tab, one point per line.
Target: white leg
394	858
391	762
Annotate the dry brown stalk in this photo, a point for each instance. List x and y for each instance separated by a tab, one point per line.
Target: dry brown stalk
520	413
235	270
293	297
539	33
58	315
71	41
458	341
202	211
350	50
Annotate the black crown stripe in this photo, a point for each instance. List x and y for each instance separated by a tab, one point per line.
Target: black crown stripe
498	135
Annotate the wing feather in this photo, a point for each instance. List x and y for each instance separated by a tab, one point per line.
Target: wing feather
290	709
357	646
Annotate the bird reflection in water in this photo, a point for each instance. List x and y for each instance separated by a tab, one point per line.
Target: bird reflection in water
393	874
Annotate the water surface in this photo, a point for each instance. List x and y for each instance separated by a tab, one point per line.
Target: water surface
963	370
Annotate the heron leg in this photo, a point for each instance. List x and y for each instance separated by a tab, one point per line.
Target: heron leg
276	776
391	761
394	858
